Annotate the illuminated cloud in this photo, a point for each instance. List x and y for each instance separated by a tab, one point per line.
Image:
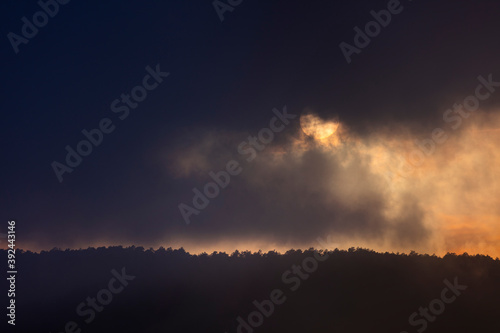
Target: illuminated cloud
326	180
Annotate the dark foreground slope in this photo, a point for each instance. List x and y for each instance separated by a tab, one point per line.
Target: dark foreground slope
171	291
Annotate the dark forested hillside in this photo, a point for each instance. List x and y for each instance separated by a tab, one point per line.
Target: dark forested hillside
135	290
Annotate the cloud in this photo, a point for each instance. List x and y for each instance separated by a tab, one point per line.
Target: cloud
302	188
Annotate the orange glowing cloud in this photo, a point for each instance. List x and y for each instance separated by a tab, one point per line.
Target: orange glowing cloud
391	190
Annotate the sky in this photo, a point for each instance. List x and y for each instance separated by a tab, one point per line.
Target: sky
391	142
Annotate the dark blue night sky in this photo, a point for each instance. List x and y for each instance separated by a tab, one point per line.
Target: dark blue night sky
225	78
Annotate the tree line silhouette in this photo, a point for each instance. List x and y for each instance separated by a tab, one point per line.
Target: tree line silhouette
353	290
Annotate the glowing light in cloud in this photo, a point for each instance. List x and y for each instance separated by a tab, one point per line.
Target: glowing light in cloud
364	190
315	127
